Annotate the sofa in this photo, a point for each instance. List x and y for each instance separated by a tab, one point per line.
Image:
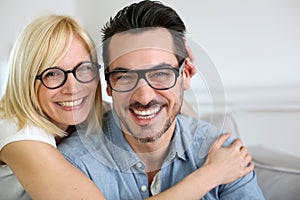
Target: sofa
278	174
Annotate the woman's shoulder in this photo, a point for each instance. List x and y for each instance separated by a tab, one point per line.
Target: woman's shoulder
11	126
8	126
10	132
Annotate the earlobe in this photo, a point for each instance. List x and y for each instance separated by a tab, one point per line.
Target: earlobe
186	79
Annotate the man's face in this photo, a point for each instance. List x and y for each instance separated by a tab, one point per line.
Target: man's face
144	112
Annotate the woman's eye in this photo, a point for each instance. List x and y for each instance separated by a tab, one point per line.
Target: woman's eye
52	74
86	67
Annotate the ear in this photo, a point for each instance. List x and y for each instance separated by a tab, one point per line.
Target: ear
190	67
186	76
108	90
188	72
190	60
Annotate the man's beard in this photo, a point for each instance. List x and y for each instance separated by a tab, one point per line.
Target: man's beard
151	138
147	128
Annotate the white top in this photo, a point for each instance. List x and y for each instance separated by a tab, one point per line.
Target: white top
10	188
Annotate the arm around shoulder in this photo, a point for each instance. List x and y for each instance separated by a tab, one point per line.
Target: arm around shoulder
46	174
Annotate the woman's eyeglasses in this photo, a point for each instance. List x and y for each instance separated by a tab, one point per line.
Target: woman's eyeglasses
55	77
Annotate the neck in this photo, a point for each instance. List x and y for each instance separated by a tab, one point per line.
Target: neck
152	153
69	130
153	161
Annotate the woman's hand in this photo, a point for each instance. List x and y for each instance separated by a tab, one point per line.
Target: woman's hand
229	163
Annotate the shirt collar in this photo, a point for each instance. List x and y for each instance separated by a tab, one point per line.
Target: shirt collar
181	140
121	151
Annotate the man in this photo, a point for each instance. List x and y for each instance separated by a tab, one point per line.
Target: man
147	145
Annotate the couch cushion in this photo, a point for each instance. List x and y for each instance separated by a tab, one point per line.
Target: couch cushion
278	174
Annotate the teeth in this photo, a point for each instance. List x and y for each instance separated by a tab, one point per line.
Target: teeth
146	114
70	103
145	117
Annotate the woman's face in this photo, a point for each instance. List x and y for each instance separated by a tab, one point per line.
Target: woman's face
71	103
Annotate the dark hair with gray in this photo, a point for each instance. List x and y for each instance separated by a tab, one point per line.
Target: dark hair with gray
145	14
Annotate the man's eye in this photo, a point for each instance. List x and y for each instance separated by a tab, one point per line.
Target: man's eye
125	77
160	74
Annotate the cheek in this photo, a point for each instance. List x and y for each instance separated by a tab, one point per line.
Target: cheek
42	97
174	95
120	100
45	98
94	87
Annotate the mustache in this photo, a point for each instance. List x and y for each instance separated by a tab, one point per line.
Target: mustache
137	105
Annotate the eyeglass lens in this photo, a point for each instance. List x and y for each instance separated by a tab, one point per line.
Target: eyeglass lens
56	77
161	78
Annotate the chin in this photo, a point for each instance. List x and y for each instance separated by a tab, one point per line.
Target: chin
78	117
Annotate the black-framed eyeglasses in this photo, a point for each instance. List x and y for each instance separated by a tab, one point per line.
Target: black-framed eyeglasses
161	77
55	77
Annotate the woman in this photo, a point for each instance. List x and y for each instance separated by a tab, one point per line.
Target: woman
53	85
37	103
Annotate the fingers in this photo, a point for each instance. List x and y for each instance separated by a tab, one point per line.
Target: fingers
249	168
221	140
238	152
243	151
237	144
245	154
248	159
247	162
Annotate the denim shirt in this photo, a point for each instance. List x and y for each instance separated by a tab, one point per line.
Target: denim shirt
107	159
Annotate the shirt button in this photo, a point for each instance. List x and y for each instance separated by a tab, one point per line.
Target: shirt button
144	188
138	165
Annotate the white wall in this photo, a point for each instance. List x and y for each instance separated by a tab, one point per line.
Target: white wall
15	15
253	45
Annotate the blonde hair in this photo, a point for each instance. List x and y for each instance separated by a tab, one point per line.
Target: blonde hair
42	44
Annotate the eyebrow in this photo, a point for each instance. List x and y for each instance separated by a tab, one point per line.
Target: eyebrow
153	67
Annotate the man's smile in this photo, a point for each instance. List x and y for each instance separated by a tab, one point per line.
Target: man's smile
146	114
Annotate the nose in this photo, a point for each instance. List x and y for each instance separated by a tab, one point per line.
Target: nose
71	86
143	93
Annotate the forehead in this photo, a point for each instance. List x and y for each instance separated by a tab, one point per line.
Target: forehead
146	44
77	52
